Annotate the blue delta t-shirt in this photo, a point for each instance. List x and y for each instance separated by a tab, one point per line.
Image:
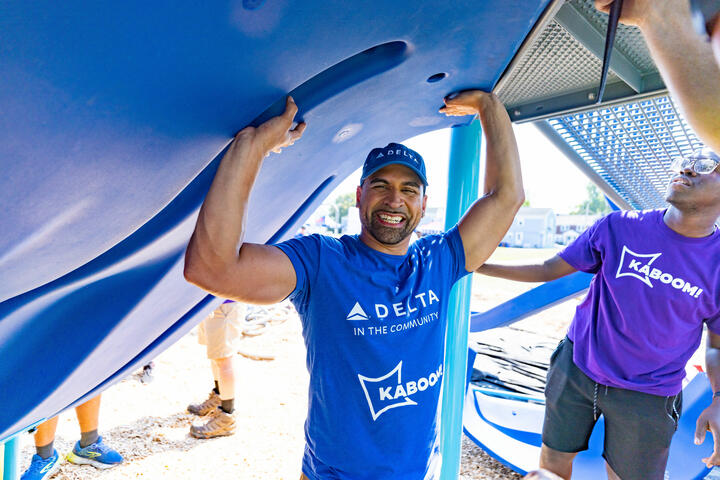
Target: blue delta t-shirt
374	326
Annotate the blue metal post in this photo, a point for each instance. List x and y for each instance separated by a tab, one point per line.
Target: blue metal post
463	181
10	464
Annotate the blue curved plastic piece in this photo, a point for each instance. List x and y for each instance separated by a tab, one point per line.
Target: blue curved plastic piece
519	447
112	115
529	303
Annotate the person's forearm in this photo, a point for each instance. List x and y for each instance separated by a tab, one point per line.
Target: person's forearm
220	226
503	177
519	273
712	367
686	64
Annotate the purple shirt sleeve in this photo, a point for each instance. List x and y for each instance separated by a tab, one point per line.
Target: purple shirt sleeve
713	323
585	253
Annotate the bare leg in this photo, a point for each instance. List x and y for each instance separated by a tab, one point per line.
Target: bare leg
45	433
88	414
611	473
541	474
215	371
225	377
560	463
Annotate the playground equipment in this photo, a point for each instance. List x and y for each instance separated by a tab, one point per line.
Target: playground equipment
113	126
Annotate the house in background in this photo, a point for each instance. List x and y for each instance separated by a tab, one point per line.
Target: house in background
569	227
532	228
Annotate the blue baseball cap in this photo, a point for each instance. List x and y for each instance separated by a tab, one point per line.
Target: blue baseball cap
391	154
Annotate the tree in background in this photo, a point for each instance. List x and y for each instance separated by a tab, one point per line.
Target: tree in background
594	204
339	209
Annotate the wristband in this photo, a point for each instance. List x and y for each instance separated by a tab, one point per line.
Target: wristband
716	394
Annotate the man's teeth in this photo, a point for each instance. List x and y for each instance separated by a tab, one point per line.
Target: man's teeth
390	218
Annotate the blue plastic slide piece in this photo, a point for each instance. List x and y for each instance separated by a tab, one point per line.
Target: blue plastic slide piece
529	303
112	127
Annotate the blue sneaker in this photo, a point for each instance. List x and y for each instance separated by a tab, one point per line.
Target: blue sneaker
42	468
96	454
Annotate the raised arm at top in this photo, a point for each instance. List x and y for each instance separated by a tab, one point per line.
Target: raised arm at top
684	59
217	259
484	225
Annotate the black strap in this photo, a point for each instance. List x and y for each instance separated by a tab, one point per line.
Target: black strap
615	10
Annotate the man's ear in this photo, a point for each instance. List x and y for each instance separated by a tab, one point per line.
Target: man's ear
358	193
424	205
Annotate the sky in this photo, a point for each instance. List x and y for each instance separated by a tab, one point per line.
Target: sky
550	179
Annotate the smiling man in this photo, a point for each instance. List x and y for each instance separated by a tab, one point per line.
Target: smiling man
374	306
657	282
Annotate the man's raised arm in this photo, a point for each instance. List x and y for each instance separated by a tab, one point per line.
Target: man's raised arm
484	225
216	259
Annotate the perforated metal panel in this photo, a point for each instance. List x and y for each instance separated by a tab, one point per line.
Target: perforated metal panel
558	68
630	145
629	39
556	63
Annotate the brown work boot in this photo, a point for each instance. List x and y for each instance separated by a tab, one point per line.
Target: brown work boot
202	409
220	424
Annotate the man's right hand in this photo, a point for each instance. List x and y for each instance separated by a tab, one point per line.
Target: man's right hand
217	258
277	133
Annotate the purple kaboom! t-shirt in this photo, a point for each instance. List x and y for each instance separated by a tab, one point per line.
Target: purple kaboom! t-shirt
653	289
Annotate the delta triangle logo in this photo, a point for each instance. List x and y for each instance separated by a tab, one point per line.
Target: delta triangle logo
357	313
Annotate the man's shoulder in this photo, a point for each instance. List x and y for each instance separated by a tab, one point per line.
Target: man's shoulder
631	218
436	240
322	242
636	216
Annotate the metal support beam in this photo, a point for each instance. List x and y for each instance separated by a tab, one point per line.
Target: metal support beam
463	182
584	100
585	33
572	155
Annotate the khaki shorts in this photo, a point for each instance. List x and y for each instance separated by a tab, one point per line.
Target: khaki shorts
221	329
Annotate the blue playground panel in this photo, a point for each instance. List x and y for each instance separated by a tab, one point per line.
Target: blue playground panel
114	117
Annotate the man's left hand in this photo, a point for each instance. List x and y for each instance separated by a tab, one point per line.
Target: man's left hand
709	419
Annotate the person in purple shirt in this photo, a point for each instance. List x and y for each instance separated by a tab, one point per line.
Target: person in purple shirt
656	284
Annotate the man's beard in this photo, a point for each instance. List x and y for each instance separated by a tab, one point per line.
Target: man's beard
388	235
